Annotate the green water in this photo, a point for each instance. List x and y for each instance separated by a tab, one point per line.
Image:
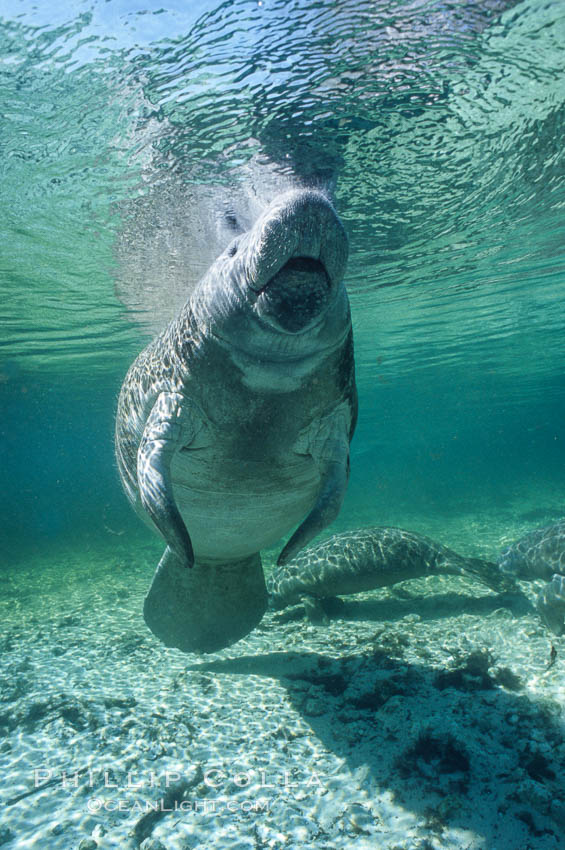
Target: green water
443	124
127	126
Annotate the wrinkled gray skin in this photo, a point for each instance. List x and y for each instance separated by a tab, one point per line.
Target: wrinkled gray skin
171	235
541	555
368	558
233	426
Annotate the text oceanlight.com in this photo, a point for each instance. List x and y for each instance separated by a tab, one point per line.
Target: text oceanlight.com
205	806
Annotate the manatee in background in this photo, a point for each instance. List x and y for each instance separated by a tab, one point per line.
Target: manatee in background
368	558
233	426
541	555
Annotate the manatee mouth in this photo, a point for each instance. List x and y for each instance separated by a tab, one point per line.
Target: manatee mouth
295	297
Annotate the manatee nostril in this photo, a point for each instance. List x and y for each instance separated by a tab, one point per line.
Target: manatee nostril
231	220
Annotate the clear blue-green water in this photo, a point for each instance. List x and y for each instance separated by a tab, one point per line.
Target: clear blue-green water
442	126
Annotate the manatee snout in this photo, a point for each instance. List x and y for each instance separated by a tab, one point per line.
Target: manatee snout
296	296
509	562
517	564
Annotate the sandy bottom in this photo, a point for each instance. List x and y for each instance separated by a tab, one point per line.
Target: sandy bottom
429	715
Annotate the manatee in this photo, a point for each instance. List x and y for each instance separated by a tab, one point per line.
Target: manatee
541	555
233	425
367	558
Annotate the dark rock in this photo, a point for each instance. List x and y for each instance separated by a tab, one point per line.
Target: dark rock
73	714
536	765
69	620
508	679
433	755
152	844
87	844
120	702
6	835
381	693
471	676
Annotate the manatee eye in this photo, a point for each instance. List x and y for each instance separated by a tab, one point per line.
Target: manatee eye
231	220
232	249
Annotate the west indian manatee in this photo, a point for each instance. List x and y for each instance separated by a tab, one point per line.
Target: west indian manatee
368	558
541	555
233	426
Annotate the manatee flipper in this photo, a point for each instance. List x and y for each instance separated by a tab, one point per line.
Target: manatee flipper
208	607
168	429
330	450
551	604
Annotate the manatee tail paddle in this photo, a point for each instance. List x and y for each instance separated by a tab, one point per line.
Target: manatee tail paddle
489	574
208	607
